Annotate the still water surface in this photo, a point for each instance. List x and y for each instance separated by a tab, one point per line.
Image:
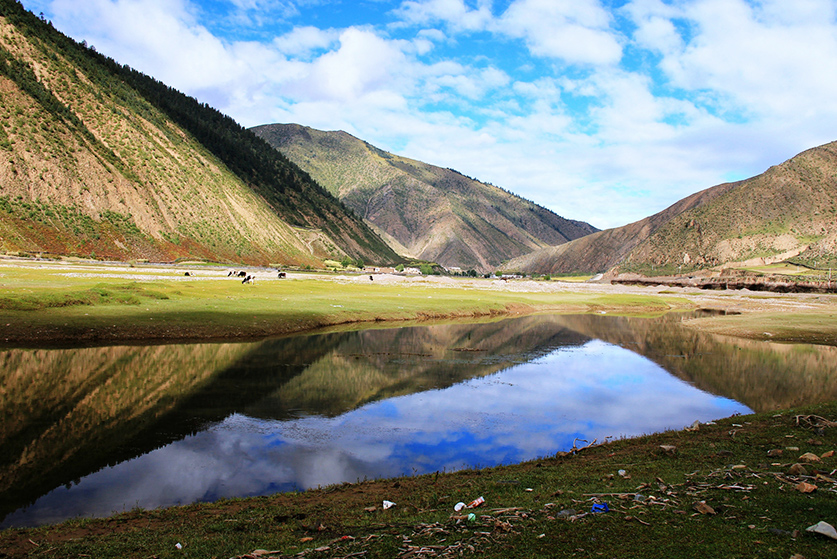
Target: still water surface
102	430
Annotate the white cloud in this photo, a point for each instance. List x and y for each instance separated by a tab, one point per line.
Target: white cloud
363	64
454	13
576	31
655	29
463	82
161	37
303	41
767	59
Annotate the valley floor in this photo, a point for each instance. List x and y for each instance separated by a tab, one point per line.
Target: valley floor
708	491
67	303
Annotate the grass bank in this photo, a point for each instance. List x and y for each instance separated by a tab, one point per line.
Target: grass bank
745	486
56	305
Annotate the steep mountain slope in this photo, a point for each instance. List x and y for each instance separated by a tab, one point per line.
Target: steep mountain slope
790	209
603	250
100	160
431	213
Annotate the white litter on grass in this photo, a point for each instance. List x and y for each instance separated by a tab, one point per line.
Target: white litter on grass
823	528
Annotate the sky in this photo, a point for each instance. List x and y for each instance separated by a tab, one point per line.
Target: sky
604	111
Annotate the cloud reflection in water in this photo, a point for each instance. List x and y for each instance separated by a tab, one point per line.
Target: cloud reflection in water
530	410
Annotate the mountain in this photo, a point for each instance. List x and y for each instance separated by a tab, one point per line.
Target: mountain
426	212
787	212
101	160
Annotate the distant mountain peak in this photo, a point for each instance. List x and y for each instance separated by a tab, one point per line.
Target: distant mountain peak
436	214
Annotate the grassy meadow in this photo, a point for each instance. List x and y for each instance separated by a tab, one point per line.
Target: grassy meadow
65	303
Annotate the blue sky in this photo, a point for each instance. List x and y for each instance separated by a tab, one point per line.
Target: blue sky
602	110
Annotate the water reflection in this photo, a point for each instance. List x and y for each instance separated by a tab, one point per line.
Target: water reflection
212	421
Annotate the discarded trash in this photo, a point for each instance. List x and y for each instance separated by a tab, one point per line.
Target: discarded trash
805	487
622	473
566	513
668	448
178	546
472	517
459	506
823	528
600	507
388	504
476	502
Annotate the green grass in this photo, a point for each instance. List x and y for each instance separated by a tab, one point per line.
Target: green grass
103	294
576	278
58	303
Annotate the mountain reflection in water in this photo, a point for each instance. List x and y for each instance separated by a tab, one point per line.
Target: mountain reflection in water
226	420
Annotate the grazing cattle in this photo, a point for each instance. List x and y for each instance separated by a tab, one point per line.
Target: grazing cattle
248	279
242	274
282	275
371	279
187	274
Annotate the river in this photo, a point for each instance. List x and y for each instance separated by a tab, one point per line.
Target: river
98	430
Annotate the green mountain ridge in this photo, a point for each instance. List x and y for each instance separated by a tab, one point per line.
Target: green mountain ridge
787	212
97	159
427	212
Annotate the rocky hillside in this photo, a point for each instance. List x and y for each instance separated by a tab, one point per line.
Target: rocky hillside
426	212
100	160
788	212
